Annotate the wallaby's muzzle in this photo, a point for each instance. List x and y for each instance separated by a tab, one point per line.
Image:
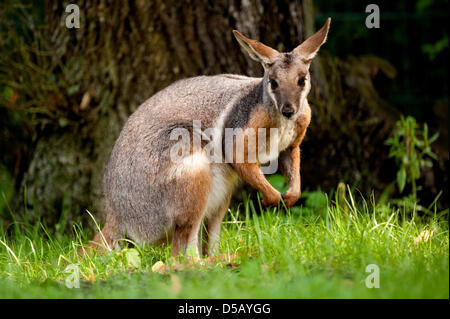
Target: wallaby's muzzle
287	110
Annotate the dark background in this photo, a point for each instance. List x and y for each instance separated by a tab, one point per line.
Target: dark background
412	37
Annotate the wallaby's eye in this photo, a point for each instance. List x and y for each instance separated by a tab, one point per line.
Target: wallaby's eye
301	81
273	84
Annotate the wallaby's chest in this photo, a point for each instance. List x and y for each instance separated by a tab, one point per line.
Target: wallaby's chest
287	133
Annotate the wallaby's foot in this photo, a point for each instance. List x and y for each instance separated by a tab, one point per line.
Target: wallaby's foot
95	245
290	198
90	248
104	241
185	241
271	199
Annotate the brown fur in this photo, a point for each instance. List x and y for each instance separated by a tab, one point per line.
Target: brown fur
257	49
290	162
308	48
194	195
250	172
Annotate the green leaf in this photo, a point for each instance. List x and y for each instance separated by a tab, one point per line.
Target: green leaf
133	258
420	143
73	89
405	159
7	93
432	155
401	179
315	199
63	122
278	182
427	163
425	130
434	137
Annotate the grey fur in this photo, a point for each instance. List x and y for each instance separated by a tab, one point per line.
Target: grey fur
241	110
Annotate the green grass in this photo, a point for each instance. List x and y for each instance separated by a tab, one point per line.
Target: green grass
319	250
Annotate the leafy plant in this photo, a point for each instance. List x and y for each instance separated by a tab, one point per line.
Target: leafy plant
433	49
410	146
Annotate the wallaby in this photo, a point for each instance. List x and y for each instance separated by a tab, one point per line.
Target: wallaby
151	199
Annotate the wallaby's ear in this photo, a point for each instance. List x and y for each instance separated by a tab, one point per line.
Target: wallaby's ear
257	51
308	49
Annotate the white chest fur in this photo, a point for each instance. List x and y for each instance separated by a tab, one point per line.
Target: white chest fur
287	133
223	182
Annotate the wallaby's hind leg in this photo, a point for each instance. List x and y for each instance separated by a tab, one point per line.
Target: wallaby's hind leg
193	194
108	236
185	238
211	231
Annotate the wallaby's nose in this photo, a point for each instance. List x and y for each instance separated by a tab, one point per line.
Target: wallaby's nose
287	110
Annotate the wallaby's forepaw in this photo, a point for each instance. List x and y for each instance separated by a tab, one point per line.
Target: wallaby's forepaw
271	200
290	198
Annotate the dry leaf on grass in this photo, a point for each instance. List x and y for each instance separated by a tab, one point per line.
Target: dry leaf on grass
160	267
91	277
424	237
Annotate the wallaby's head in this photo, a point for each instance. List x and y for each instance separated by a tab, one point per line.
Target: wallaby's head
286	75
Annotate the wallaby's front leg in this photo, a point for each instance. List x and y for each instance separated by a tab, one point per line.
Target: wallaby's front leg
251	173
289	161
